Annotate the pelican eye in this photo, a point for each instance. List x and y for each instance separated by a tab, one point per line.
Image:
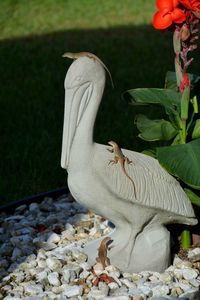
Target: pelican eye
77	80
74	82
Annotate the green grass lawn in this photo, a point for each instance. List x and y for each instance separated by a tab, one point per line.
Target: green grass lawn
33	36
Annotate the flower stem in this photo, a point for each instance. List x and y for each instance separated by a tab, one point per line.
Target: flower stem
185	239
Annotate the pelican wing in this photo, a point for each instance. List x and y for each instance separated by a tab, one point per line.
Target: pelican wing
155	187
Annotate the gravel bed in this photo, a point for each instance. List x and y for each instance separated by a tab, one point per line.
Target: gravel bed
41	257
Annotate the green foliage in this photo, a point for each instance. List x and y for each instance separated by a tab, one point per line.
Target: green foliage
193	197
164	97
182	161
185	99
180	129
185	239
196	130
178	133
155	130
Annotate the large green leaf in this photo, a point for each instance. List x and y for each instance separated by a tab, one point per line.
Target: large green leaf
196	131
170	81
164	97
182	161
155	130
193	197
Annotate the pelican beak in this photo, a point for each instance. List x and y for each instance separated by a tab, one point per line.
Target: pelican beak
76	100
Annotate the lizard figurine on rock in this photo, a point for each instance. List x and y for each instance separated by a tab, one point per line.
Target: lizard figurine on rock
119	157
102	252
89	55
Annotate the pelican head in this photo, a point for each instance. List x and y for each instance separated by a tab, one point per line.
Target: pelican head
85	78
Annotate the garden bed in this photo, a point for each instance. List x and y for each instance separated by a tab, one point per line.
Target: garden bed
42	257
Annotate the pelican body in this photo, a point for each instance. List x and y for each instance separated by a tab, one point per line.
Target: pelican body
139	218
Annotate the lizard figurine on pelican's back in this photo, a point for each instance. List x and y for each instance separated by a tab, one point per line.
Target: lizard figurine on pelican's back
119	157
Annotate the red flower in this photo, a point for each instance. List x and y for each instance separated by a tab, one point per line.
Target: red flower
191	4
185	82
168	13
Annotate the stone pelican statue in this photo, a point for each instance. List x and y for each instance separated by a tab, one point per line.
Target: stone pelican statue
140	239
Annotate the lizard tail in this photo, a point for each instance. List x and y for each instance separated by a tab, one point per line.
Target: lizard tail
133	183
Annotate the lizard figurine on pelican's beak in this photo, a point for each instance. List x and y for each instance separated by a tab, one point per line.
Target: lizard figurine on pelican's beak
72	55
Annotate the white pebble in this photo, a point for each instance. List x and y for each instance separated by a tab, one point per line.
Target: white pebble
117	280
189	274
135	291
136	277
73	291
184	285
33	206
54	238
93	231
177	260
184	264
85	266
96	294
67	235
44	245
53	263
128	283
41	276
112	268
57	289
103	287
48	295
113	285
117	298
160	290
84	274
170	269
53	279
194	252
42	263
19	276
21	208
178	273
33	289
68	275
115	274
41	254
153	279
147	274
69	228
146	290
32	271
12	298
166	278
194	282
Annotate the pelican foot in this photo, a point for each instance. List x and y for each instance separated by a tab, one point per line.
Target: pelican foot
151	250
